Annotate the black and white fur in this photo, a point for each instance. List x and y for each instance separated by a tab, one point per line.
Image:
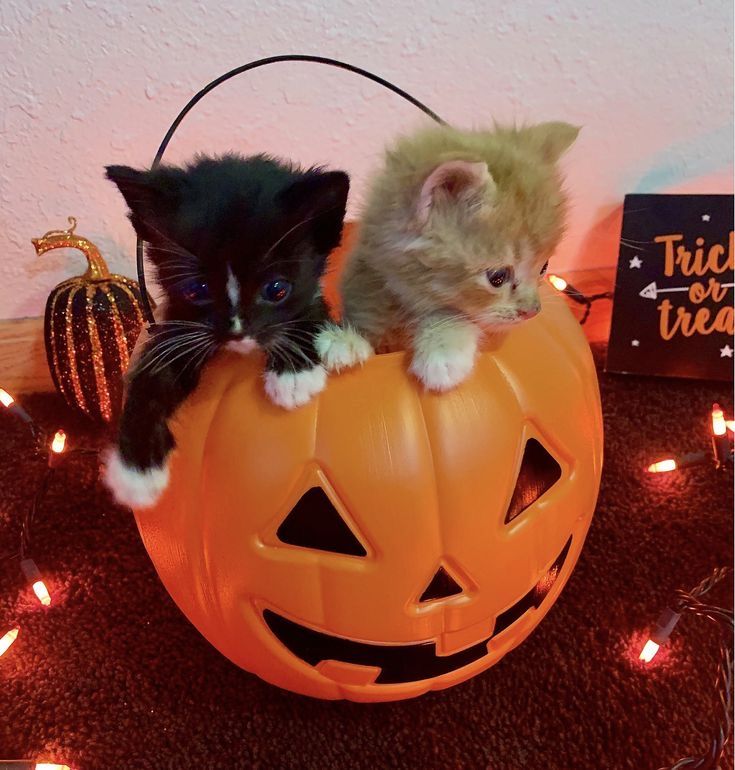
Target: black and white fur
239	246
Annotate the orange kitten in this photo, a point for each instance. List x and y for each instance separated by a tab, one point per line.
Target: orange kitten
456	234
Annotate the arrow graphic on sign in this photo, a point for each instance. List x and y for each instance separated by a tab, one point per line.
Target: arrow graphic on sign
652	291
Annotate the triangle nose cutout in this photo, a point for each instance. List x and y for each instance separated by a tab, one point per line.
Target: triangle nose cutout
441	586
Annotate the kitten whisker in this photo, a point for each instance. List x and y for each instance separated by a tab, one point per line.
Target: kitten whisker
200	358
163	350
169	335
205	355
275	350
168	276
181	322
177	248
292	347
188	350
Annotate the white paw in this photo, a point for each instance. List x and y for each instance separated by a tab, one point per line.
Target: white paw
292	389
131	486
341	347
443	369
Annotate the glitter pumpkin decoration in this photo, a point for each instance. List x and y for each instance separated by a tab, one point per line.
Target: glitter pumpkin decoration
91	324
382	541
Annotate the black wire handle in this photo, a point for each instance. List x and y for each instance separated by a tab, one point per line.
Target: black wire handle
231	74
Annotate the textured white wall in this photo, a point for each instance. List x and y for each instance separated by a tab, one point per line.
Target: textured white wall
86	83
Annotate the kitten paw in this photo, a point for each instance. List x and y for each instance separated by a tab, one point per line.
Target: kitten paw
292	389
443	369
131	486
341	347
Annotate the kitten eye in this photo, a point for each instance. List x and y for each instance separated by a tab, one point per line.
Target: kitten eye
544	268
275	291
196	292
497	278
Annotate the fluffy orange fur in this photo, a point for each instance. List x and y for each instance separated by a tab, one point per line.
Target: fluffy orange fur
421	252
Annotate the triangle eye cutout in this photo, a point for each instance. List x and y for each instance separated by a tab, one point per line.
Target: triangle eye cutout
315	523
441	586
539	472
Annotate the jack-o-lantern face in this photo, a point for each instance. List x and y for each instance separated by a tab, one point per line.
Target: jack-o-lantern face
383	541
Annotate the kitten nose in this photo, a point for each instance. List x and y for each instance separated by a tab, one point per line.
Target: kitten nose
236	330
529	312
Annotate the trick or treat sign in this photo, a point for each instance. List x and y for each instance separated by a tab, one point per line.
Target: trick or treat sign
673	306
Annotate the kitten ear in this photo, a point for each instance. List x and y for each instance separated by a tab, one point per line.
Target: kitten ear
550	140
152	197
455	181
321	199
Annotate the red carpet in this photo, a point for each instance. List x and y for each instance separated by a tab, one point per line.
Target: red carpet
112	676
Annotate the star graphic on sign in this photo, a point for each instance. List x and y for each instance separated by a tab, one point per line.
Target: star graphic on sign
636	261
726	352
705	217
635	343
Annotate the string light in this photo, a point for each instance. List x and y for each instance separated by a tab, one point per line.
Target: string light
720	440
6	399
650	648
675	463
663	466
557	282
665	624
30	764
564	287
690	602
56	449
33	576
719	426
49	766
7	640
722	450
13	406
59	442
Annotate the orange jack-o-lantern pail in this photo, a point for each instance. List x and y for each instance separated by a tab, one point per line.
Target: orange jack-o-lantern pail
382	541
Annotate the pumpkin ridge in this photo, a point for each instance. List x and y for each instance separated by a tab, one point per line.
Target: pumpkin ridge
120	339
71	351
123	286
100	379
51	309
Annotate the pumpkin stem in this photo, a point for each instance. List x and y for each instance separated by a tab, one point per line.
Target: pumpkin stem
66	239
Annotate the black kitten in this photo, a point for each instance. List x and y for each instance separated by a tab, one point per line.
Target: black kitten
239	246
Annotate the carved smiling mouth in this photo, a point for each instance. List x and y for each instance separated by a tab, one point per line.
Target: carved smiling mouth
400	663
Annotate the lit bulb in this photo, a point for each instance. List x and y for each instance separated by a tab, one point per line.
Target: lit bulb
13	406
8	639
719	426
39	588
30	764
57	449
649	651
662	466
557	282
33	575
730	425
50	766
59	442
